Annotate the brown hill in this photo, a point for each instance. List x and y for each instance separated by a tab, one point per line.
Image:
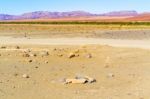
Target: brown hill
140	17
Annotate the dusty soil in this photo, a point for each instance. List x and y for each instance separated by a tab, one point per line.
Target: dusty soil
121	73
71	31
119	62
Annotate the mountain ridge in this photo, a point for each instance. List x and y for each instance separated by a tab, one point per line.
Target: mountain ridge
50	15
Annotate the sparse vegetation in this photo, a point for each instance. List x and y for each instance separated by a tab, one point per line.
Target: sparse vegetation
78	22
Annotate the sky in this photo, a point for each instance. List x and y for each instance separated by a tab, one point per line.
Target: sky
94	6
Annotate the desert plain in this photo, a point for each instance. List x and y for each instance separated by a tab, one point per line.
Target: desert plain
35	60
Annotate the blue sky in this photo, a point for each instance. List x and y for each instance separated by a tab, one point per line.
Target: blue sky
94	6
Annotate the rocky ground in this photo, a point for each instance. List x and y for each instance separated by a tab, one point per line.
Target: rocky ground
39	72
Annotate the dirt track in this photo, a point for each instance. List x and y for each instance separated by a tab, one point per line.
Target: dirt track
145	44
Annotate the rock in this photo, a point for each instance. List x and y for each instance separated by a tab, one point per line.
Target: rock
110	75
17	47
44	53
3	47
71	55
89	56
46	62
26	55
25	76
32	55
30	61
80	80
60	55
15	74
89	79
36	67
76	81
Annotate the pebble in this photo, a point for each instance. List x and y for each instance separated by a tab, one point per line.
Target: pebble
36	67
15	74
80	80
30	61
76	81
89	56
110	75
25	76
46	62
26	55
32	55
44	53
3	47
71	55
17	47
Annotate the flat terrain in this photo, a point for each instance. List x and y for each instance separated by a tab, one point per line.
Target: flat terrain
34	61
121	73
70	31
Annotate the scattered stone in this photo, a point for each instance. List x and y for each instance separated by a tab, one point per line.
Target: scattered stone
89	56
32	55
17	47
60	55
25	76
36	67
89	79
110	75
46	62
80	80
44	53
30	61
15	74
26	55
76	81
3	47
71	55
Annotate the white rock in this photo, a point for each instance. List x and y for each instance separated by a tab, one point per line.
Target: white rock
76	81
25	76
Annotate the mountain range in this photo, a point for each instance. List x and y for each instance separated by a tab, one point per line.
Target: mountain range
130	15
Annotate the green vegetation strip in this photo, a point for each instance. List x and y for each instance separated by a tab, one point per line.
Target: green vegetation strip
84	23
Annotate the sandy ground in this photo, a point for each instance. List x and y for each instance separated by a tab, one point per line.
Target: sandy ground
119	62
145	44
121	72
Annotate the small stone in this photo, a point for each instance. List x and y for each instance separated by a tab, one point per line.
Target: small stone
110	75
3	47
17	47
71	55
60	55
26	55
25	76
46	62
89	56
36	67
90	80
15	74
30	61
32	55
44	53
76	81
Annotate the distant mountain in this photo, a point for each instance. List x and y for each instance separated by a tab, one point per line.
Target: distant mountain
121	13
49	15
141	17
